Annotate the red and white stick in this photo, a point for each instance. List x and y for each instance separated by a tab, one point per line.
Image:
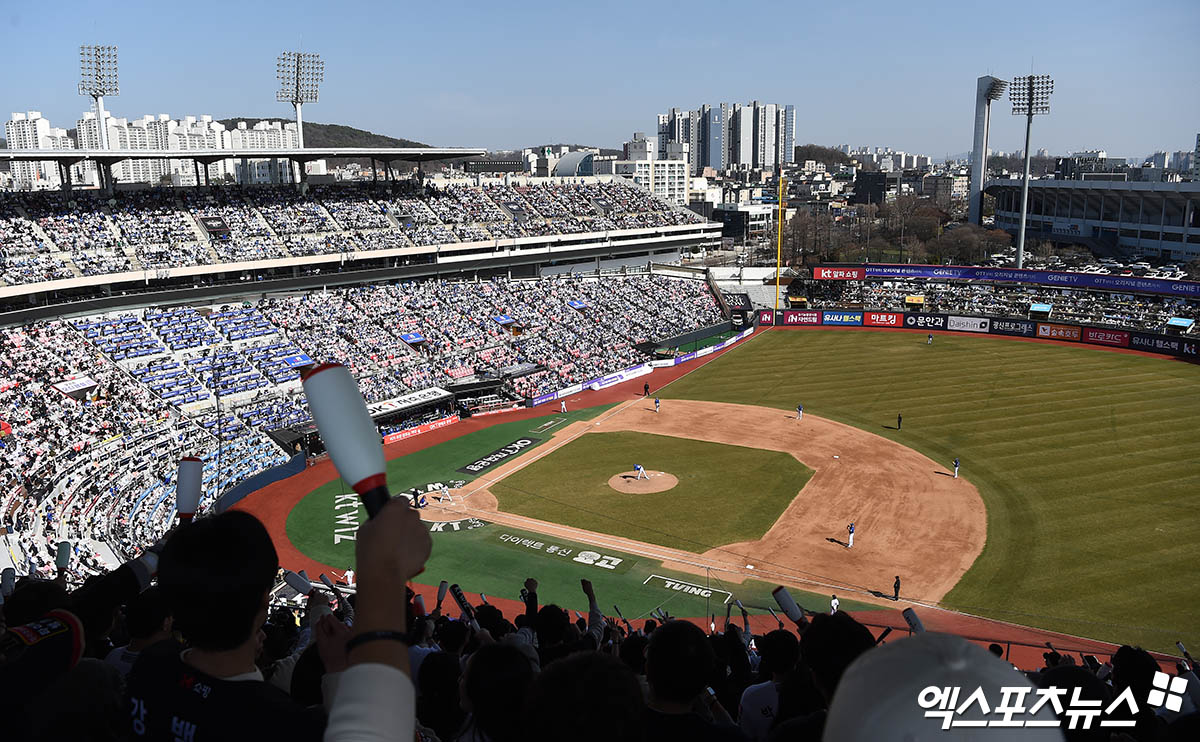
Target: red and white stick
349	434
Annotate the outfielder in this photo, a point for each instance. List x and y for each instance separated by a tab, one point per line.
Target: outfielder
899	420
929	340
799	412
850	543
641	473
562	406
657	404
956	467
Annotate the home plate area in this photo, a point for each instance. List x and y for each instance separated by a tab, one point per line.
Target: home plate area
628	482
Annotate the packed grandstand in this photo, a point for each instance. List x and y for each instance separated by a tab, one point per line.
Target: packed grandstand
49	236
99	407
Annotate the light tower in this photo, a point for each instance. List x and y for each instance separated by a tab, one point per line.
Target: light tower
98	78
1030	96
987	89
300	75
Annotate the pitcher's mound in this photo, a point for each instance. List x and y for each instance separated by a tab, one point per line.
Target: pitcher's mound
627	482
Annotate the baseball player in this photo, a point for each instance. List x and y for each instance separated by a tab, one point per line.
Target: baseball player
929	340
956	467
833	605
348	576
641	473
799	412
850	530
899	420
657	404
562	406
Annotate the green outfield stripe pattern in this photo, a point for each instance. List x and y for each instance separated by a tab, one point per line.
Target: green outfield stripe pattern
1086	459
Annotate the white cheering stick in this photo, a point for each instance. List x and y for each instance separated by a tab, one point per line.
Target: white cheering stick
443	586
326	582
187	487
419	603
349	434
297	583
788	604
914	621
8	579
483	598
63	557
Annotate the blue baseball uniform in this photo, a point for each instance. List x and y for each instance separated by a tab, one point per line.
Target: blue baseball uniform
656	404
799	412
850	543
641	473
956	468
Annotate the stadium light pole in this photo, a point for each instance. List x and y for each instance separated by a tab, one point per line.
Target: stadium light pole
1030	96
98	78
300	76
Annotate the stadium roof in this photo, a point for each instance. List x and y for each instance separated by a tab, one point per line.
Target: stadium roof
383	154
574	163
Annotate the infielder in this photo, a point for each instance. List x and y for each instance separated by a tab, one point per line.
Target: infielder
657	404
833	605
641	473
929	340
562	406
850	543
799	412
956	467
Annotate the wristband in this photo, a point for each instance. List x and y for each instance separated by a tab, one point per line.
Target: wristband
370	636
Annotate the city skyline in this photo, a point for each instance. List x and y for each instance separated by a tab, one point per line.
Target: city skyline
485	84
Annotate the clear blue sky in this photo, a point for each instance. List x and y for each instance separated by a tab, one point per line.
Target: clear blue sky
503	75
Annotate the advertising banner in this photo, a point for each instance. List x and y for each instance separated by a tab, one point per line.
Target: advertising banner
839	274
499	455
706	351
1166	344
543	399
1098	336
1058	332
967	324
738	302
766	316
503	319
412	338
1021	327
883	319
576	304
664	363
1065	279
841	318
925	321
411	432
300	359
616	378
801	317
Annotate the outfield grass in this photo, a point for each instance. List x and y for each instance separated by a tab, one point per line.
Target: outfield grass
570	486
311	522
1087	461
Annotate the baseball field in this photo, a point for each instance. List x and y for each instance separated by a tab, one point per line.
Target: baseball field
1071	512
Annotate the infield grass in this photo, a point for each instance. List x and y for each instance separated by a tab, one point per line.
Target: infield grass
725	494
1088	462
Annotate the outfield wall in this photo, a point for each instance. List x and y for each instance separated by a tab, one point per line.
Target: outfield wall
1169	345
633	372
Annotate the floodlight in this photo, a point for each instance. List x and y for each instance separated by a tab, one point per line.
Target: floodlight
1030	96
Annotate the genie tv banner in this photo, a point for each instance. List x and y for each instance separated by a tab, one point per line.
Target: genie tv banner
1066	279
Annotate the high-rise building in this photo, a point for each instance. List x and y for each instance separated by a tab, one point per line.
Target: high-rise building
741	135
1196	159
724	135
30	131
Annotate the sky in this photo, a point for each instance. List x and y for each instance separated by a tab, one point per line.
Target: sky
529	72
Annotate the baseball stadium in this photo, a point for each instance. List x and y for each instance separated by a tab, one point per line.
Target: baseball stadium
1000	457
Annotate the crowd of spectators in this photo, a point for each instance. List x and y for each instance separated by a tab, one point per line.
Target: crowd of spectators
161	228
1128	311
196	639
